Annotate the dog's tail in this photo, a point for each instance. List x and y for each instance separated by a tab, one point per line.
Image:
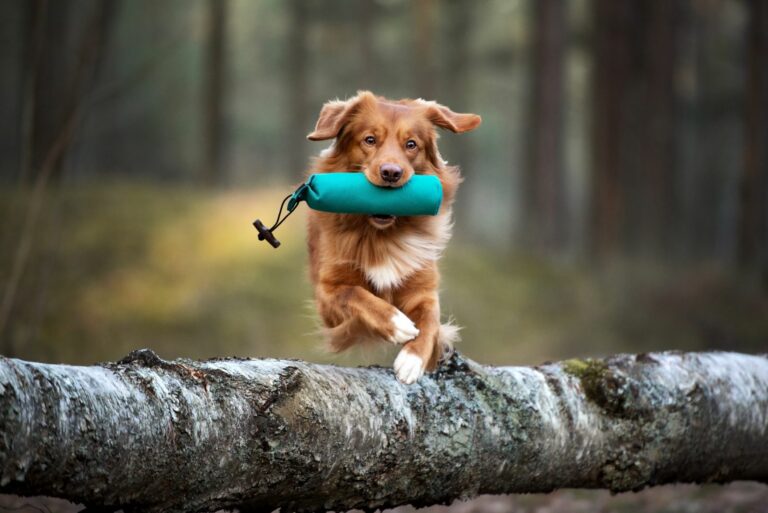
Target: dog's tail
447	336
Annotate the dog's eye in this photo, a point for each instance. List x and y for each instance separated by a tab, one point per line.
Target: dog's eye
411	145
370	140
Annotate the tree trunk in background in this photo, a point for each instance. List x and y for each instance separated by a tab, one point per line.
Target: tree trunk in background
715	108
52	88
653	162
67	67
544	191
366	15
215	91
634	121
297	89
150	435
458	72
34	40
753	227
612	20
423	65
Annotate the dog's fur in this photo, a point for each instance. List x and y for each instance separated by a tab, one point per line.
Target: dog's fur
377	278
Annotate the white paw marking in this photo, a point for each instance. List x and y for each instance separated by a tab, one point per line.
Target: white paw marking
405	329
408	367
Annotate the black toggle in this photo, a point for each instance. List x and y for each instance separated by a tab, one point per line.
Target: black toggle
266	234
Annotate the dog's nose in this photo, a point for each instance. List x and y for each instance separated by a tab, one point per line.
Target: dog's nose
391	172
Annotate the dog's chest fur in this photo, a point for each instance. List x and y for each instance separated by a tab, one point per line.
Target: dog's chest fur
388	261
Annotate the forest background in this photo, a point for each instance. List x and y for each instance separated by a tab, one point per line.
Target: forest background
615	194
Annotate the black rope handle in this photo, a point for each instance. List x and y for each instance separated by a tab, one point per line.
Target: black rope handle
266	233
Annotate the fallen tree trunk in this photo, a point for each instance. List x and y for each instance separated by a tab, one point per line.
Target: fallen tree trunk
146	434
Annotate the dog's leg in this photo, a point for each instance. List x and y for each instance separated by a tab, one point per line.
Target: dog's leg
423	352
353	313
420	303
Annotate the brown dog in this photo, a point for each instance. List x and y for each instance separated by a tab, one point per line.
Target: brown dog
376	277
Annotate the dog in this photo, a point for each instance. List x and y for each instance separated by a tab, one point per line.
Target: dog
376	277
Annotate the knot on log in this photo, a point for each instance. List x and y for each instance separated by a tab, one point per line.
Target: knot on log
148	359
144	357
288	382
456	364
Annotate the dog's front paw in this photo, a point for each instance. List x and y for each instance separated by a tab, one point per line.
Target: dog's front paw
408	367
403	329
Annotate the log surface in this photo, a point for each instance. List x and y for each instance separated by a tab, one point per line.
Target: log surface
145	434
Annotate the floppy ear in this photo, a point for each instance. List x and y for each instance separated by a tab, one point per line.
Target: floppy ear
455	122
335	114
332	117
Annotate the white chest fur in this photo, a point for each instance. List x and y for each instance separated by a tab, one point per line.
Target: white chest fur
408	253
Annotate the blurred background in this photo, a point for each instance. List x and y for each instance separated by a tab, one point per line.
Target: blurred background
615	194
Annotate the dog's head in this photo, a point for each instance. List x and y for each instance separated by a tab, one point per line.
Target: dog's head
389	141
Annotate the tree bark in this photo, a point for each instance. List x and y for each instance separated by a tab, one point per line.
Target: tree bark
145	434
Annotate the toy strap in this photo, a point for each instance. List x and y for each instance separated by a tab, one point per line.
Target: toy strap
295	198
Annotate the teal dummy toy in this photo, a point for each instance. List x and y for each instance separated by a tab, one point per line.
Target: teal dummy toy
352	193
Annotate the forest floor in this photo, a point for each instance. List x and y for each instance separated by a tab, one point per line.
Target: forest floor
740	497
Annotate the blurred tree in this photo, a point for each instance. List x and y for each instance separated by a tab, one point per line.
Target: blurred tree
544	195
49	78
634	120
753	218
13	22
652	162
151	95
215	92
714	126
296	87
34	38
457	75
423	65
611	73
65	44
366	15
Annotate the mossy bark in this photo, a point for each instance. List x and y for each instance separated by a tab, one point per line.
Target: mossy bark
145	434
